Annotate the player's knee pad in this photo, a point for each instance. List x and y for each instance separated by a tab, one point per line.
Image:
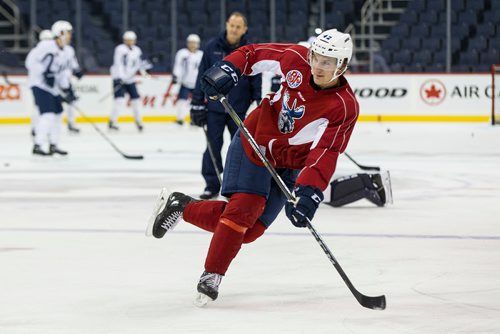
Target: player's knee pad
244	209
254	233
352	188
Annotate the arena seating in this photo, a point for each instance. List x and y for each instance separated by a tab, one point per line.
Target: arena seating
417	42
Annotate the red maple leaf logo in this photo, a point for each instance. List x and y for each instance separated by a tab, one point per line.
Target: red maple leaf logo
433	92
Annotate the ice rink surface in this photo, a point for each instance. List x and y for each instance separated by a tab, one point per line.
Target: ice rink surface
74	257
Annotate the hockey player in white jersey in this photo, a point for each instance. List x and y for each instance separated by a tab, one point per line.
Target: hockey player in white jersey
71	68
127	61
45	64
44	35
187	61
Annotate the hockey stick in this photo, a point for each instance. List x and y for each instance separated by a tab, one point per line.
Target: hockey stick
86	118
117	88
376	303
361	166
211	152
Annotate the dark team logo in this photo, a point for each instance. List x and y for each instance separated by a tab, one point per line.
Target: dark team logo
294	78
286	120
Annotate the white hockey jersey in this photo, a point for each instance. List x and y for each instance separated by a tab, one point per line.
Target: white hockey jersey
47	56
70	64
186	66
126	62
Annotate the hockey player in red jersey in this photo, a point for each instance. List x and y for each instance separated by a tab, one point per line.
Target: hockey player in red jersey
302	129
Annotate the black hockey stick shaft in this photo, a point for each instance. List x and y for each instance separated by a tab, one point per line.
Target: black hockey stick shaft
378	302
361	166
211	153
103	135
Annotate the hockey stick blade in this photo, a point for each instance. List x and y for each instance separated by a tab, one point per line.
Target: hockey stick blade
133	157
362	167
374	303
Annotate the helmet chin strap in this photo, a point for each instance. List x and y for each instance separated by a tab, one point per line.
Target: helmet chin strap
342	68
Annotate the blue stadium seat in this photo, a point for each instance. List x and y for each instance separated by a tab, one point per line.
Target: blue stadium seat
435	67
456	44
471	57
391	44
462	30
396	67
409	17
439	57
479	43
486	29
400	31
490	57
429	17
460	68
411	43
476	5
418	6
436	5
432	43
492	16
414	67
402	57
424	57
457	5
469	17
421	31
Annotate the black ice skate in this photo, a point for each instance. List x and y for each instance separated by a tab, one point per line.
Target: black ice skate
167	213
37	150
113	126
73	129
53	149
207	194
140	127
208	288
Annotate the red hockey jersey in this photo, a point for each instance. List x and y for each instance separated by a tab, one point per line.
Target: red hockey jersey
299	126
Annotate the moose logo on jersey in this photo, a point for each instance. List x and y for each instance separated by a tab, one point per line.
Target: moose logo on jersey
286	120
294	78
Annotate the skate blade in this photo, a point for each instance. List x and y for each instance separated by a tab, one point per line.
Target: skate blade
387	184
161	202
202	300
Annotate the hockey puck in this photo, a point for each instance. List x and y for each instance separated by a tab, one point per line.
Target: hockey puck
388	130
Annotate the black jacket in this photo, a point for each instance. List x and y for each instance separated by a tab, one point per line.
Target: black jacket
246	91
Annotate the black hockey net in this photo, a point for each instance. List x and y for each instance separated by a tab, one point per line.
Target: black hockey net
495	97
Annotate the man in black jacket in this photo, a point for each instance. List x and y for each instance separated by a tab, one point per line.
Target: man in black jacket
211	113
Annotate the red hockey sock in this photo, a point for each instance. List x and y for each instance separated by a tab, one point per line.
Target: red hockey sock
225	244
253	233
204	214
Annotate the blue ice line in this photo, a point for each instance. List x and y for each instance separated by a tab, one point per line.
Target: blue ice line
280	234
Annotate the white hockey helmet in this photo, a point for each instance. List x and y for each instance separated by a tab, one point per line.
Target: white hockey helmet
193	38
129	36
61	30
45	35
335	44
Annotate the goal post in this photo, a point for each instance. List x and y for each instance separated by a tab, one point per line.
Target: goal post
495	104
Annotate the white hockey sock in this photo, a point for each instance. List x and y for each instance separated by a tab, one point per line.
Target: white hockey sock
35	116
182	109
118	105
71	114
55	129
135	110
43	128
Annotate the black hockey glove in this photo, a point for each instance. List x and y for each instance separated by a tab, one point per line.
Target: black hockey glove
174	80
49	79
69	95
198	114
78	74
220	79
308	199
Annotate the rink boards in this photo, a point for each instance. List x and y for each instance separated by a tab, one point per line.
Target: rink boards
428	97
